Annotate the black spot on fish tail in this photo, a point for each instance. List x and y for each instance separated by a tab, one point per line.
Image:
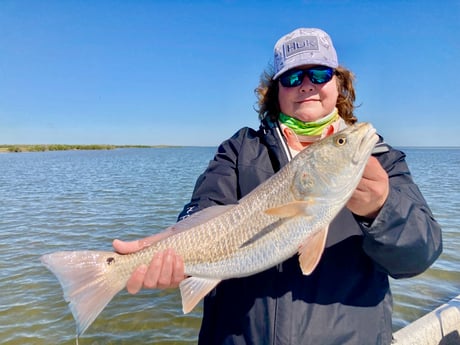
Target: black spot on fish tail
110	260
263	232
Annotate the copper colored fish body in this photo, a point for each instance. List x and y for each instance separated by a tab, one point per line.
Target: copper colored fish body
287	214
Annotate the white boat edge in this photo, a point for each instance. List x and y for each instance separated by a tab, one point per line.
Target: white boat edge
439	327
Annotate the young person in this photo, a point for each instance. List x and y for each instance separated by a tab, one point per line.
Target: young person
387	229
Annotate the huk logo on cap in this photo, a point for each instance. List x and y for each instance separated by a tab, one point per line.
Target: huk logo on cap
299	45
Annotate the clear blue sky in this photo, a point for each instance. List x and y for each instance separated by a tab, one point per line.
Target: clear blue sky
183	72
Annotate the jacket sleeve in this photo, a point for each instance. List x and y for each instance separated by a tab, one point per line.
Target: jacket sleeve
404	239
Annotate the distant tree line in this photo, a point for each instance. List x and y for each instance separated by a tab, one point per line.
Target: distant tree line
56	147
63	147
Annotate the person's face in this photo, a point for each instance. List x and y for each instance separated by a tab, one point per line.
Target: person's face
308	102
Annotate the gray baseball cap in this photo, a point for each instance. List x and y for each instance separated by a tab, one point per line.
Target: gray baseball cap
304	46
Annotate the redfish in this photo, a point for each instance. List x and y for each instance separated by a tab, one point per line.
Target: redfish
287	214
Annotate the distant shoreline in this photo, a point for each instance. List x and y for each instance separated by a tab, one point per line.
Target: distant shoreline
8	148
66	147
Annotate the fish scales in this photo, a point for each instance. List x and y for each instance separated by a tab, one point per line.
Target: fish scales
288	213
220	238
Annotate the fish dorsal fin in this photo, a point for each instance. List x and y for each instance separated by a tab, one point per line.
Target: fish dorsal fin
194	289
311	251
195	219
199	218
291	209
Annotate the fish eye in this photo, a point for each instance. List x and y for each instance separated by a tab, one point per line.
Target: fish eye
340	141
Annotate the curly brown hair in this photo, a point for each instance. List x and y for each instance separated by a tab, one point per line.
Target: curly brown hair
267	95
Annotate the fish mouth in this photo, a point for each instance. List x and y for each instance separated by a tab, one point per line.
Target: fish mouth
368	141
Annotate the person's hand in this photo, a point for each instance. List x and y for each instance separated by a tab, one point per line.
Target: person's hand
166	270
372	191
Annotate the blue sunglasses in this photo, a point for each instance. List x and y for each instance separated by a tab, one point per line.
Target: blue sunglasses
317	75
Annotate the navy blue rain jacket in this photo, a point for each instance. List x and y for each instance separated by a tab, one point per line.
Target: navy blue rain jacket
347	299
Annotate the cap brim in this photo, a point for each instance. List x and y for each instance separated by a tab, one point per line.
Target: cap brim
303	63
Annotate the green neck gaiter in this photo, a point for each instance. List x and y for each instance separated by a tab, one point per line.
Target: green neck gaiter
309	128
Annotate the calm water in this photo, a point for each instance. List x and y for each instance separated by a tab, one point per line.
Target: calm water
84	199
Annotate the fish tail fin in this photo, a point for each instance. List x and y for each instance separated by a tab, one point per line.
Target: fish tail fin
89	280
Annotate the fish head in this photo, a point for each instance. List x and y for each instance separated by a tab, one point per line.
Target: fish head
333	166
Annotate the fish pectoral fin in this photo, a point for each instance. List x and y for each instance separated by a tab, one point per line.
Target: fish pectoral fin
194	289
292	209
312	250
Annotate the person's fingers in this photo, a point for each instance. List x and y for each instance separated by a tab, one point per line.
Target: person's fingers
154	271
166	270
123	247
165	277
136	281
178	271
128	247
